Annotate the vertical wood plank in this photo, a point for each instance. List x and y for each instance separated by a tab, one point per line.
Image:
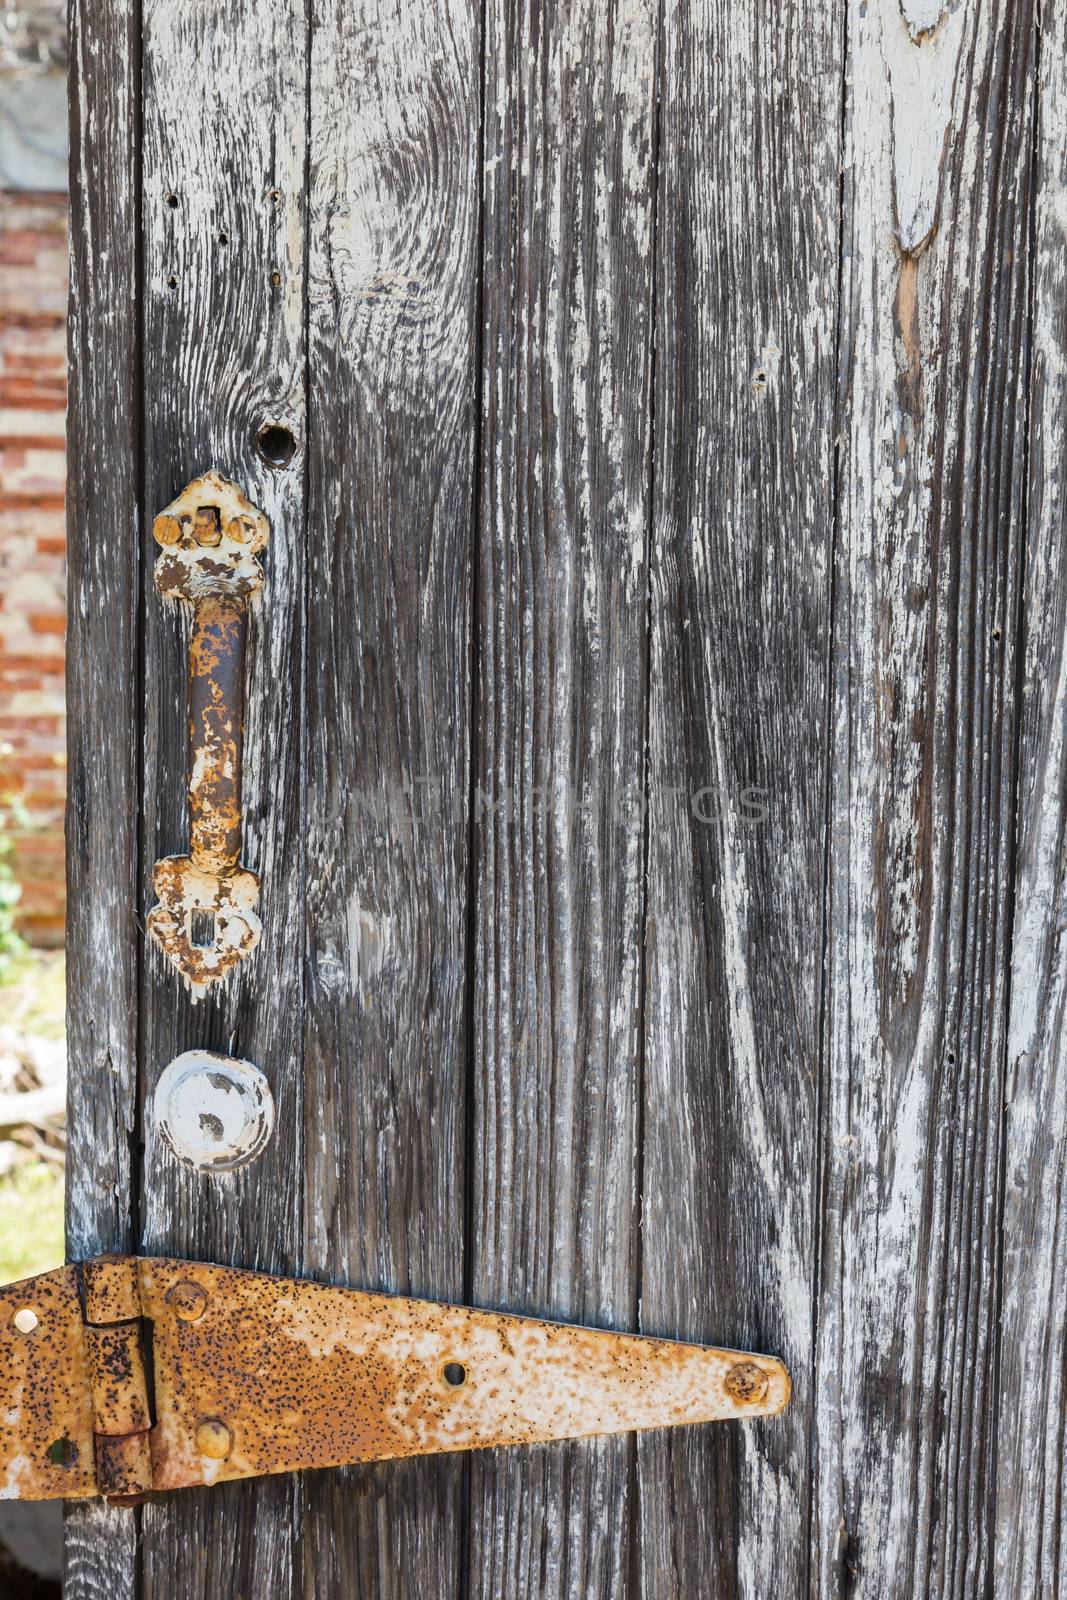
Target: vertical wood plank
932	487
103	599
223	175
560	724
393	284
747	268
1031	1470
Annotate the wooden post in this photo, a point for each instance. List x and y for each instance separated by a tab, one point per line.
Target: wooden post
104	555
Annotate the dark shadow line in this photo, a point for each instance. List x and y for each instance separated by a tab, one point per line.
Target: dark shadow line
634	1571
820	1175
137	1146
299	1498
1015	784
140	676
463	1569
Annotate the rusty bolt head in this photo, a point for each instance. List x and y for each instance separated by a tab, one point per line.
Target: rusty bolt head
167	530
214	1439
746	1384
25	1320
188	1301
238	530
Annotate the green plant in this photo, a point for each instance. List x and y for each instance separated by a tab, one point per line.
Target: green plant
12	815
31	1221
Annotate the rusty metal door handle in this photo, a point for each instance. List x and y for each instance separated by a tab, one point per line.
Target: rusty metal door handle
205	918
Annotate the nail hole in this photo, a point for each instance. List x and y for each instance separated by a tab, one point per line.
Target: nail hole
202	929
25	1320
172	282
63	1453
275	196
454	1374
224	237
996	633
172	201
276	279
276	445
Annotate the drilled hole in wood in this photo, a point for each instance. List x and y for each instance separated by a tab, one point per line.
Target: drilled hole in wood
202	929
224	237
454	1374
172	282
276	445
172	200
275	279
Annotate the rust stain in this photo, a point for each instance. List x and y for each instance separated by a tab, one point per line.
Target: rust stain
254	1375
124	1468
303	1375
906	312
216	726
210	537
747	1383
117	1379
46	1413
116	1372
188	1301
112	1291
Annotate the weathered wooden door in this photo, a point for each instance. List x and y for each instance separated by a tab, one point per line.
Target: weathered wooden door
656	749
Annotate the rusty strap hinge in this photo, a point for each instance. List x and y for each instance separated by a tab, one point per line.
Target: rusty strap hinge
128	1375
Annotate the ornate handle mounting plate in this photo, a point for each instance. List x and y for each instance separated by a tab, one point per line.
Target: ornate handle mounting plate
210	537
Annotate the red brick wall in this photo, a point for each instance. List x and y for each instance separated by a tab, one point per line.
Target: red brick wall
33	299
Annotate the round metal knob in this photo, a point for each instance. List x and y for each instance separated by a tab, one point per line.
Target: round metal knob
215	1112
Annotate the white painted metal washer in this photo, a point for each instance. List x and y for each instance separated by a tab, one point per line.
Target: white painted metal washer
214	1112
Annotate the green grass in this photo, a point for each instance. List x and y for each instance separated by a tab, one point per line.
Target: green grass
32	997
33	993
31	1220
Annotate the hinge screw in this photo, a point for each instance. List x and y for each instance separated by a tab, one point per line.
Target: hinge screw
188	1301
746	1384
214	1439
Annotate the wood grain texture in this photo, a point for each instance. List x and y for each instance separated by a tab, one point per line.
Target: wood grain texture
1030	1556
560	723
393	286
657	750
740	583
224	154
99	1551
933	483
103	672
